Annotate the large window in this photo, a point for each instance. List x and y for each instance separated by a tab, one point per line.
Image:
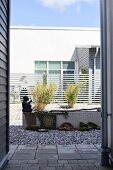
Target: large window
68	73
40	67
54	67
68	65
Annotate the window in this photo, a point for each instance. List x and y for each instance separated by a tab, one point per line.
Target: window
54	72
54	67
68	65
68	72
40	65
40	71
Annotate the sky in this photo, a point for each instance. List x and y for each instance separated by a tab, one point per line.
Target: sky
56	13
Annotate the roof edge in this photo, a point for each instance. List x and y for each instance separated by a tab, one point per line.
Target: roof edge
56	28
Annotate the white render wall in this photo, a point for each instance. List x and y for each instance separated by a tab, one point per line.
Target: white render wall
28	44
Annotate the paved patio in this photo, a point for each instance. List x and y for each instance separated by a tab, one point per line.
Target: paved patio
54	157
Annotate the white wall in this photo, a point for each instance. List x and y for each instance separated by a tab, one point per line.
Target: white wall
52	44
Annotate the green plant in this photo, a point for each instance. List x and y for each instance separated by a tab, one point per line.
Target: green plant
71	94
92	125
88	126
84	70
44	78
43	95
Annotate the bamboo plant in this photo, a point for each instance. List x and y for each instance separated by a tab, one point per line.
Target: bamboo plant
71	94
43	95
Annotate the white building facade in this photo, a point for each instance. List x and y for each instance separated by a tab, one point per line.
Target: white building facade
52	50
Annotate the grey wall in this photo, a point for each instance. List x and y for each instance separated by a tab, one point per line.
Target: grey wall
4	79
92	53
94	66
91	59
98	63
76	117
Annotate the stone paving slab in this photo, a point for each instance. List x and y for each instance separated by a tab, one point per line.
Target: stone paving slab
91	150
47	151
55	157
91	146
66	146
25	151
47	147
47	168
67	149
90	156
69	156
23	155
27	147
46	156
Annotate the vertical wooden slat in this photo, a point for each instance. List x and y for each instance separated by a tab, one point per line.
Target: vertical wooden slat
8	76
4	81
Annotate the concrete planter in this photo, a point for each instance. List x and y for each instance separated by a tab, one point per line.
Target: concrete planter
54	120
29	119
76	117
47	121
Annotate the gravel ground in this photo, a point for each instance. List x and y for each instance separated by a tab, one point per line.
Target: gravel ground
23	137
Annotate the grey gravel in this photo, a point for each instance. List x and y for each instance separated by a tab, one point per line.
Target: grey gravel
23	137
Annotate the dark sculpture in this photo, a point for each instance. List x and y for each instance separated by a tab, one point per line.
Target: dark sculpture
26	106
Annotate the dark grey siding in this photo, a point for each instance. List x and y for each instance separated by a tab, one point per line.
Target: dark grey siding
91	59
4	79
83	59
98	61
92	53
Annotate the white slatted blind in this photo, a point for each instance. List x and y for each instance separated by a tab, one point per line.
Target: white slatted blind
23	84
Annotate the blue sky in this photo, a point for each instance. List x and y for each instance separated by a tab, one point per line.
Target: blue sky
64	13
